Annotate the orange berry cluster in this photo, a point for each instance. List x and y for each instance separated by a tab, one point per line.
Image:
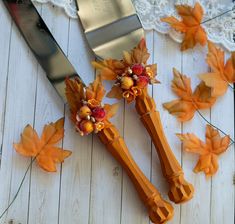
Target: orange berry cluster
135	78
90	119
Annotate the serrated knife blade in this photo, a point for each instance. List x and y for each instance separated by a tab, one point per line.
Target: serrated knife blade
43	45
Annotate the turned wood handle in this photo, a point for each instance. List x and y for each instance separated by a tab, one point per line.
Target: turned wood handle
180	189
159	210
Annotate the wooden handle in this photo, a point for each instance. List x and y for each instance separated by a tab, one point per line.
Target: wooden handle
160	211
180	189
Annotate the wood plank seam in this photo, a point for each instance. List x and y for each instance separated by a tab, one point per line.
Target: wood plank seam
4	104
61	166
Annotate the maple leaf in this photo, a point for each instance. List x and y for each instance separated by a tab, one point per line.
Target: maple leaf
110	68
189	102
208	151
190	25
74	94
221	73
44	149
139	54
132	74
110	110
95	90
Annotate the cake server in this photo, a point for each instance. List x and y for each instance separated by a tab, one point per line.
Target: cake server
111	27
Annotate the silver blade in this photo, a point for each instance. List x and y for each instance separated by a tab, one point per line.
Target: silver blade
110	26
42	43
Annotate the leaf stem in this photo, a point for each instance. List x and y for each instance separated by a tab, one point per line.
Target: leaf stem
23	179
19	188
200	114
208	20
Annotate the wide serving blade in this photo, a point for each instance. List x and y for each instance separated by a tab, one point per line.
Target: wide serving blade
110	26
42	43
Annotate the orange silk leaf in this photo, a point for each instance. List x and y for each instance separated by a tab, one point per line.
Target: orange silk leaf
115	92
140	53
74	94
222	73
185	107
110	110
95	90
44	149
208	151
111	68
190	25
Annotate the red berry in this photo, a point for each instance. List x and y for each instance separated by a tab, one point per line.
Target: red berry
98	113
137	69
142	81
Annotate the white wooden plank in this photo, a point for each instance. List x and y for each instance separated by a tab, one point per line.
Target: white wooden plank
45	187
79	52
222	188
198	209
139	143
5	27
167	55
76	182
106	182
19	112
76	174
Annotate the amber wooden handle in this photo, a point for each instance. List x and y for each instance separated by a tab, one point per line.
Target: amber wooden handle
160	211
180	189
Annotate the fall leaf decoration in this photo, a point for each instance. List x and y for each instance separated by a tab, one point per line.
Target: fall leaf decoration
87	111
185	107
131	74
208	151
44	149
221	73
190	25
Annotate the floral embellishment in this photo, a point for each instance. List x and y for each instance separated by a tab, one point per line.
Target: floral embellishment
87	112
131	74
208	151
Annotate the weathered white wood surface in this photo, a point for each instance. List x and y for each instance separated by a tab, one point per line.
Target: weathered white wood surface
91	187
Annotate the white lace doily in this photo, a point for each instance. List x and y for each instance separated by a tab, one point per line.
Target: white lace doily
220	30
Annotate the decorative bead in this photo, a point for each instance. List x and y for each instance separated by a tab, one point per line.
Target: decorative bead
129	71
135	77
84	102
93	119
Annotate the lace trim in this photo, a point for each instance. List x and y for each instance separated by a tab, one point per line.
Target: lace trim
69	6
220	30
